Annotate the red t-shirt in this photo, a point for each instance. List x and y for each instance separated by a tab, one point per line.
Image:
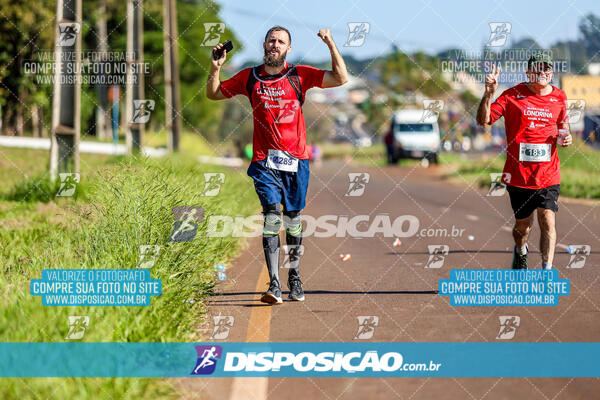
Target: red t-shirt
530	119
278	118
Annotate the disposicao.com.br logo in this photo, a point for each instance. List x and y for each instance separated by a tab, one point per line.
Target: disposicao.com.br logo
321	226
317	363
326	226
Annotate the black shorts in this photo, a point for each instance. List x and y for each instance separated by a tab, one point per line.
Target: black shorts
525	201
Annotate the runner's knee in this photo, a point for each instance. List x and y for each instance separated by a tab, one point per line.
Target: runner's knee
546	218
292	223
522	226
272	222
522	230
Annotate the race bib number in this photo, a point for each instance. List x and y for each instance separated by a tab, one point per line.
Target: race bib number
279	159
534	152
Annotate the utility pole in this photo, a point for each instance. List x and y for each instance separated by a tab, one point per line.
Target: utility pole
135	76
102	118
66	101
172	99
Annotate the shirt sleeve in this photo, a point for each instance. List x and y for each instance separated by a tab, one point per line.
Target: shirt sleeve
236	84
310	77
497	108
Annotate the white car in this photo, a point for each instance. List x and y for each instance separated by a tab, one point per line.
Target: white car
415	134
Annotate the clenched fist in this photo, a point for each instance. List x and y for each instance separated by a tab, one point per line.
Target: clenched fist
325	35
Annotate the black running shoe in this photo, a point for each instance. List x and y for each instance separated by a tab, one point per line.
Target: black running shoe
519	261
273	295
295	285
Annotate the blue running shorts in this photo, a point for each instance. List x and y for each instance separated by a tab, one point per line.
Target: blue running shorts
274	186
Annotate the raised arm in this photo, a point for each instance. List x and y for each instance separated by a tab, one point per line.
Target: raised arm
213	82
338	75
491	84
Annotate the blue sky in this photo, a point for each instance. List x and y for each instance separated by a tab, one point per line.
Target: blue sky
427	25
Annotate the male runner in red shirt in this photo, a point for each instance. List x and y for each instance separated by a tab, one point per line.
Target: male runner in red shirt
279	167
536	122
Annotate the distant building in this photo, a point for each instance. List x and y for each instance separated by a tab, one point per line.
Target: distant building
354	91
583	87
584	92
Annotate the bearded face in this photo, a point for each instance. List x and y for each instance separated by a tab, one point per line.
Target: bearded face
276	48
273	58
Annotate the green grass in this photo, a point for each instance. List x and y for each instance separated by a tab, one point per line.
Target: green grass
19	165
191	143
580	168
87	388
369	156
41	189
124	203
374	155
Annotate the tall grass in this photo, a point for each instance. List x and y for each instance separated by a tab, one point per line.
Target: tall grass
126	204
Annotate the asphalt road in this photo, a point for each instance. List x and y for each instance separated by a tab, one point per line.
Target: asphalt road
392	283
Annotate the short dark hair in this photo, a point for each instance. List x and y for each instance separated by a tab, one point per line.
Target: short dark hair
278	28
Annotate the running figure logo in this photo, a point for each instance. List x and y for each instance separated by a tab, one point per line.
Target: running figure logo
212	183
499	32
77	326
579	253
222	325
508	326
358	183
291	253
186	224
68	184
432	109
287	111
366	326
497	185
148	254
141	111
207	359
437	255
67	33
357	33
575	109
212	35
